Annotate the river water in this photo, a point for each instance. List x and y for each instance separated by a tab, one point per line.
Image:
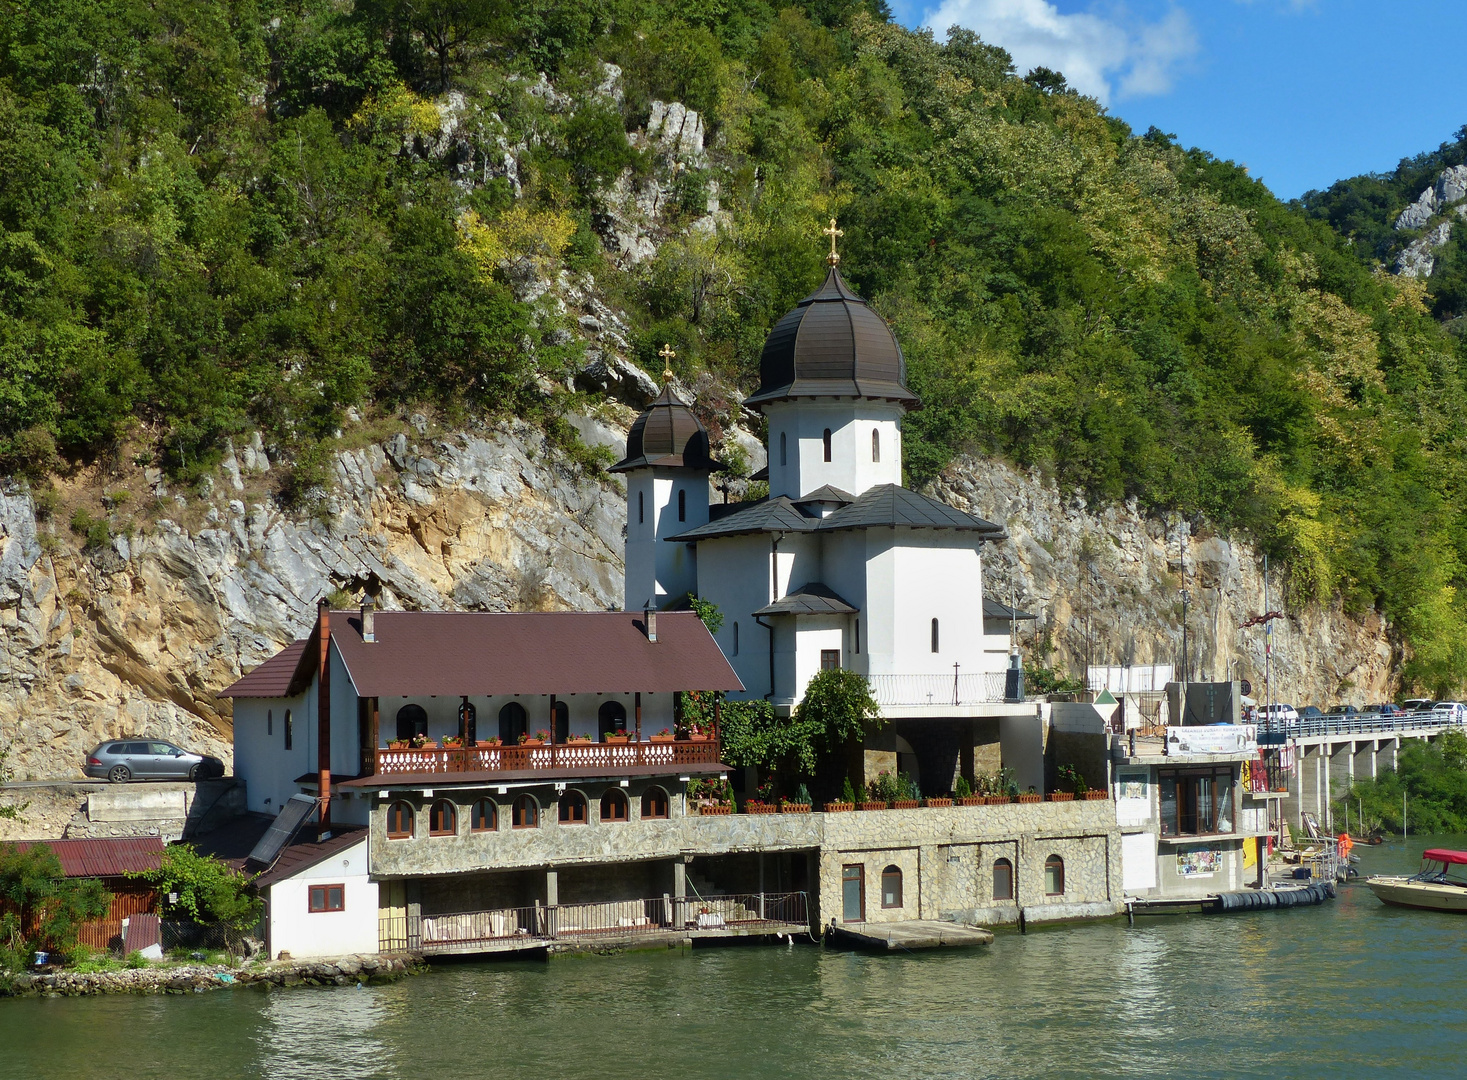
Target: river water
1350	989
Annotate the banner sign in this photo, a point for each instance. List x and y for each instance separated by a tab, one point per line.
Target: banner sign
1212	739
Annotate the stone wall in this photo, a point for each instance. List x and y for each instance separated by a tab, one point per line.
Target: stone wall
87	811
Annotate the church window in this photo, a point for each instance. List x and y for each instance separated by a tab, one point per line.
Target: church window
641	507
875	444
1054	876
827	444
829	659
269	721
891	887
289	728
736	640
783	457
934	635
858	637
682	504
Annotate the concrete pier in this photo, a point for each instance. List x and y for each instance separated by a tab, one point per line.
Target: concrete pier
911	934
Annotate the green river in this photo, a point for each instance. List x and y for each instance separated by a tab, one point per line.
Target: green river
1350	989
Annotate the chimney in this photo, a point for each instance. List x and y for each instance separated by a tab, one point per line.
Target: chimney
369	621
649	616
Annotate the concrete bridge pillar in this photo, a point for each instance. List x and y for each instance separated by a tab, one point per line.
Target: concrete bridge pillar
1341	768
1363	764
1387	753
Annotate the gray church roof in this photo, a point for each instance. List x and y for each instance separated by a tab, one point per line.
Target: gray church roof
811	598
885	505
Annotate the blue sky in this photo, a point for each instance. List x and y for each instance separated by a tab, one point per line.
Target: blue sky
1304	92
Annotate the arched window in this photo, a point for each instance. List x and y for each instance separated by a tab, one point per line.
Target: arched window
289	729
411	720
612	716
934	635
269	721
891	887
512	723
1003	879
572	808
1054	876
783	457
682	504
654	803
560	715
526	813
442	819
641	507
875	444
736	640
614	805
827	444
399	821
484	817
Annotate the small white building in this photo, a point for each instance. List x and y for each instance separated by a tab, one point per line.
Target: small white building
320	899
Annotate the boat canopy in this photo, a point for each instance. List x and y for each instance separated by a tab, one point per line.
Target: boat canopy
1442	855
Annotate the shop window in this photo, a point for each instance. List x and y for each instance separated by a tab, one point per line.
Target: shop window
289	729
614	805
875	444
1196	802
853	893
442	819
829	659
512	723
327	898
484	816
526	813
1054	876
826	439
934	635
412	720
572	808
1003	880
891	887
611	717
654	803
399	821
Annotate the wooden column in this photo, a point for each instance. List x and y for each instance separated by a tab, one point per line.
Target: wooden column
638	700
552	731
718	720
463	722
323	714
374	726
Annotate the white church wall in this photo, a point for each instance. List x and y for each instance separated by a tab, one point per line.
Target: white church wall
813	635
878	626
733	572
933	579
261	759
799	427
656	569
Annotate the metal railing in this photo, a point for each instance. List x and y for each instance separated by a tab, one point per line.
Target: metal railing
542	924
570	755
983	688
1267	774
1364	724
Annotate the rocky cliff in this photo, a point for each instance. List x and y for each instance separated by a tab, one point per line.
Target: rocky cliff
141	634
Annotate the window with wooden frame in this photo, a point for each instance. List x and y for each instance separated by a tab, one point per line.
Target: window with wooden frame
1054	876
399	821
654	803
853	893
572	808
442	819
829	659
614	805
484	816
526	813
1196	802
891	887
327	898
1003	879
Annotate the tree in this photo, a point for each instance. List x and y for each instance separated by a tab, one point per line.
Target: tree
207	890
40	907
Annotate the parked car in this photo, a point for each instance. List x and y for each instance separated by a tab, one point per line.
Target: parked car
149	759
1385	708
1343	710
1417	704
1280	714
1309	712
1452	711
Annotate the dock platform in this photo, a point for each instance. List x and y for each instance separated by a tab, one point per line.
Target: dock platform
915	934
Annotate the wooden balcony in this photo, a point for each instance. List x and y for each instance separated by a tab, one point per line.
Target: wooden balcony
585	756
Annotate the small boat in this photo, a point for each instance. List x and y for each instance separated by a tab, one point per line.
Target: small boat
1436	888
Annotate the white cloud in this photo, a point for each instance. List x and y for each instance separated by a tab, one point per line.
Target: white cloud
1098	55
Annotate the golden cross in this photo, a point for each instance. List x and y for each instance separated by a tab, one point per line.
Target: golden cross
667	354
834	257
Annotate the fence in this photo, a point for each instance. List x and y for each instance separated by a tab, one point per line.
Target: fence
541	924
982	688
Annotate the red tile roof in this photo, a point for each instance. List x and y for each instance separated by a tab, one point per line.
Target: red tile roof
112	857
453	653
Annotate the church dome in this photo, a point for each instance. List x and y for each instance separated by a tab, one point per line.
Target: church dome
832	345
667	434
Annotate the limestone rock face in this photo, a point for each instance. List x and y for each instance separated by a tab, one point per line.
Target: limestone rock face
1113	578
1446	194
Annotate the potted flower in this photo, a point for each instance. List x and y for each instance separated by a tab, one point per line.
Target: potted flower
538	739
485	743
1096	794
846	802
1030	796
614	736
398	744
422	742
800	804
1071	778
664	736
453	742
908	795
698	733
938	801
963	793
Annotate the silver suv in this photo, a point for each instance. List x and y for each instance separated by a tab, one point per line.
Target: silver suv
149	759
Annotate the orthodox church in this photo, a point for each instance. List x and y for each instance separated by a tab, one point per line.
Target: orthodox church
840	565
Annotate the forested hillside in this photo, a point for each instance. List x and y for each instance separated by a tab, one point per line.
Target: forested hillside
227	217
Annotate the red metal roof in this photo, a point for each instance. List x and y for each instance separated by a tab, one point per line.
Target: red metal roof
306	851
454	653
112	857
274	677
1444	855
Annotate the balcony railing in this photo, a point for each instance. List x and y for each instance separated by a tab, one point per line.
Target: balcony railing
503	929
983	688
570	755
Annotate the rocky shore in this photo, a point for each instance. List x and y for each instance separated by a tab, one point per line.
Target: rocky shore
196	978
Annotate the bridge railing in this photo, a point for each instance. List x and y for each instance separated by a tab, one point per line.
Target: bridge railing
1364	724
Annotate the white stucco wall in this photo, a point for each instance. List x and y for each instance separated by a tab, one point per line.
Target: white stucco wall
926	574
851	422
1138	861
813	633
295	929
260	757
655	568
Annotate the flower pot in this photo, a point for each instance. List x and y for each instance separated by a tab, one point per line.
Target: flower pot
697	738
753	807
1004	800
873	804
721	810
397	746
973	800
618	739
937	803
664	738
905	804
1031	797
1096	795
839	807
485	744
1061	796
532	742
794	808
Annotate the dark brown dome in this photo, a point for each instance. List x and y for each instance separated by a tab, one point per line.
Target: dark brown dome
668	434
832	345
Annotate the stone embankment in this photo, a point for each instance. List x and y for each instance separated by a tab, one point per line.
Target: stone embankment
196	978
